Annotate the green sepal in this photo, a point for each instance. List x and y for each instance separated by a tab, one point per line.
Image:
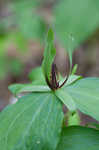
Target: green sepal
49	55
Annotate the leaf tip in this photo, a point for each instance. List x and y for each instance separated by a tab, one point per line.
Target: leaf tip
50	34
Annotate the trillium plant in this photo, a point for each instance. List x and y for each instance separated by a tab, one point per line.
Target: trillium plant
37	122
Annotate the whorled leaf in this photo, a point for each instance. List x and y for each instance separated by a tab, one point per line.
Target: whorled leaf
66	99
34	122
64	96
79	138
20	88
85	94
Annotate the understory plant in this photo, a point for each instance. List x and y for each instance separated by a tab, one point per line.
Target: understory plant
37	122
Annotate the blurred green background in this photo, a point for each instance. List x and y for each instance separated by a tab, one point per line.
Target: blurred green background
23	28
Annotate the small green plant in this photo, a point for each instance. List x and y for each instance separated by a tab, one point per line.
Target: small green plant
37	122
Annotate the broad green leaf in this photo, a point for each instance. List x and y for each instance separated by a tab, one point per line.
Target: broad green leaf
20	88
49	55
85	94
79	138
34	122
64	96
75	21
66	99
